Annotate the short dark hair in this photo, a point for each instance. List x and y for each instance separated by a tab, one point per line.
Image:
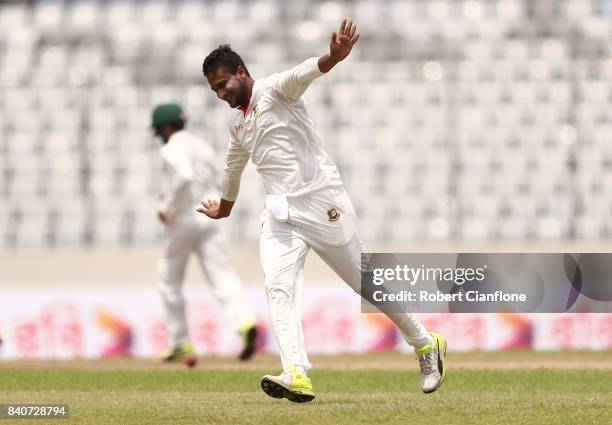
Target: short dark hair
223	56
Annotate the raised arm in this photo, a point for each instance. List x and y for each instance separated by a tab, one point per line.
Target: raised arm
294	82
340	45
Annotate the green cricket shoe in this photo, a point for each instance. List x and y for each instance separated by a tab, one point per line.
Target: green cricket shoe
431	359
183	352
248	333
291	385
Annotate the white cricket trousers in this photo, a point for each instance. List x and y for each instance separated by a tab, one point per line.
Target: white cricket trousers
184	236
283	249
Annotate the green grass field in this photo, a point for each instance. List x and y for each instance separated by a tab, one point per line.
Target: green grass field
502	388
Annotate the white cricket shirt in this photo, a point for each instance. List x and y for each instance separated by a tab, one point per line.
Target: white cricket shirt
278	136
189	174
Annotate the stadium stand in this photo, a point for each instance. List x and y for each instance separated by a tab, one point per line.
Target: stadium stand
478	120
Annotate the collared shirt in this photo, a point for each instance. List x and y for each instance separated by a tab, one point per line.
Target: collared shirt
277	134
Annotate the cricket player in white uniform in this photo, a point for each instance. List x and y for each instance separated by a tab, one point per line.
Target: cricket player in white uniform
189	173
306	207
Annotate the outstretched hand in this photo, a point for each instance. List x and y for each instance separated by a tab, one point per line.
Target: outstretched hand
210	208
342	42
216	209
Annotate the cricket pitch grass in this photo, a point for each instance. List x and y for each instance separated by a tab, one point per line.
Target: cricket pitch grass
480	388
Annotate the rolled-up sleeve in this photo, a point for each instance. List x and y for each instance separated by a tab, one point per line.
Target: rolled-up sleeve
294	82
235	161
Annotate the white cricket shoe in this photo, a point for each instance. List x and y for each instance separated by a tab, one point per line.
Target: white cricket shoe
292	385
431	359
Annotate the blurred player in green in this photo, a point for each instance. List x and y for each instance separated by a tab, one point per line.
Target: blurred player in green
306	207
189	173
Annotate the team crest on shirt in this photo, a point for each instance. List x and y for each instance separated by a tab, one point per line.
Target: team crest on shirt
333	215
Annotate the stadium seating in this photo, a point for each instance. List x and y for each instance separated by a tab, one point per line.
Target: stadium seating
477	120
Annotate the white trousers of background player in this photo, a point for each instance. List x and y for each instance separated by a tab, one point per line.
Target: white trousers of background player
184	236
283	249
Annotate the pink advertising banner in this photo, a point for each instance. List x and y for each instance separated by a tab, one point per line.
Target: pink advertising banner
63	324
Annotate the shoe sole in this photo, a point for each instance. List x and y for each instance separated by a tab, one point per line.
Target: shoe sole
249	349
443	373
278	391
